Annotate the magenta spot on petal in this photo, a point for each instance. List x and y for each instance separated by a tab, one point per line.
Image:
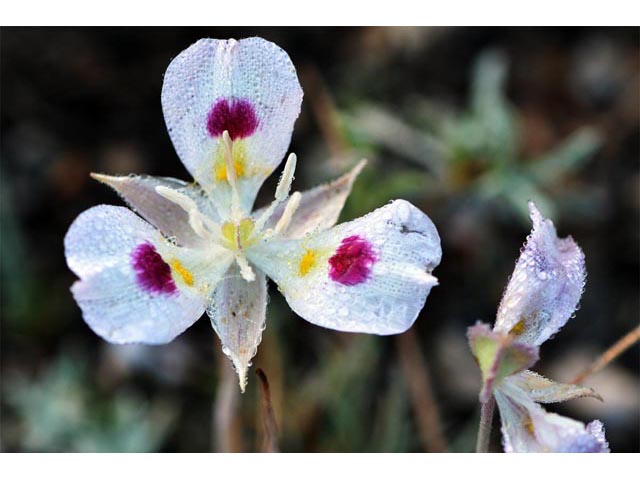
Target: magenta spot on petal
236	116
351	264
152	272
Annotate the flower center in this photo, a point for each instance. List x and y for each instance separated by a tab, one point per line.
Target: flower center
235	237
238	232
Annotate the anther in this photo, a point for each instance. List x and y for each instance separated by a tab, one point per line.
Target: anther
282	191
284	185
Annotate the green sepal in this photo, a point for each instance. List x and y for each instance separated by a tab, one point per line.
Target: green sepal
498	355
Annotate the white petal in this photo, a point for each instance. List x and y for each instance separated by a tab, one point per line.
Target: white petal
370	275
139	191
546	284
319	207
253	73
238	313
134	285
527	427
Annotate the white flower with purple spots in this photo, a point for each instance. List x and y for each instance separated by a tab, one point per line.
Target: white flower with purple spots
542	294
230	107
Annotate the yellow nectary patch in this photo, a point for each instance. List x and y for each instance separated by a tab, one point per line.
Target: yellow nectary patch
528	425
235	236
228	230
239	153
186	275
307	262
518	328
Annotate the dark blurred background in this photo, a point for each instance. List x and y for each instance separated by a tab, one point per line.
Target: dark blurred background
468	124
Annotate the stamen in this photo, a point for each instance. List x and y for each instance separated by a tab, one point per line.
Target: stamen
231	176
196	219
282	191
284	185
289	210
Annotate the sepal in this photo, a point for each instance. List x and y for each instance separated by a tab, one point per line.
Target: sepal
498	356
238	313
319	207
139	191
543	390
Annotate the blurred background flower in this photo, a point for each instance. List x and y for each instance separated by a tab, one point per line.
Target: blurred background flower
468	124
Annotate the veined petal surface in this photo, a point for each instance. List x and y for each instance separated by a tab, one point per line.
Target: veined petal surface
238	313
370	275
247	87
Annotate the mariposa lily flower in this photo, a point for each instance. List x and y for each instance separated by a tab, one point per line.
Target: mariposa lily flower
230	107
541	296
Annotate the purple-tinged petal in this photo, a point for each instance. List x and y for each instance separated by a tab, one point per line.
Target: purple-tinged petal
498	356
596	429
545	287
388	257
528	428
543	390
516	424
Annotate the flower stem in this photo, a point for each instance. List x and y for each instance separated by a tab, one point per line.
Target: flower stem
610	355
270	443
225	430
484	429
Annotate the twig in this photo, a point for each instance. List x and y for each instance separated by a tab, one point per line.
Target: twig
610	355
225	436
484	429
416	373
270	443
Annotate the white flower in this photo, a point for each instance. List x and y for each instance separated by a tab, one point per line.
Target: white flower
230	107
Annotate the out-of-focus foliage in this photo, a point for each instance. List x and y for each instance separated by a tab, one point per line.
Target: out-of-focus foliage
58	412
477	151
